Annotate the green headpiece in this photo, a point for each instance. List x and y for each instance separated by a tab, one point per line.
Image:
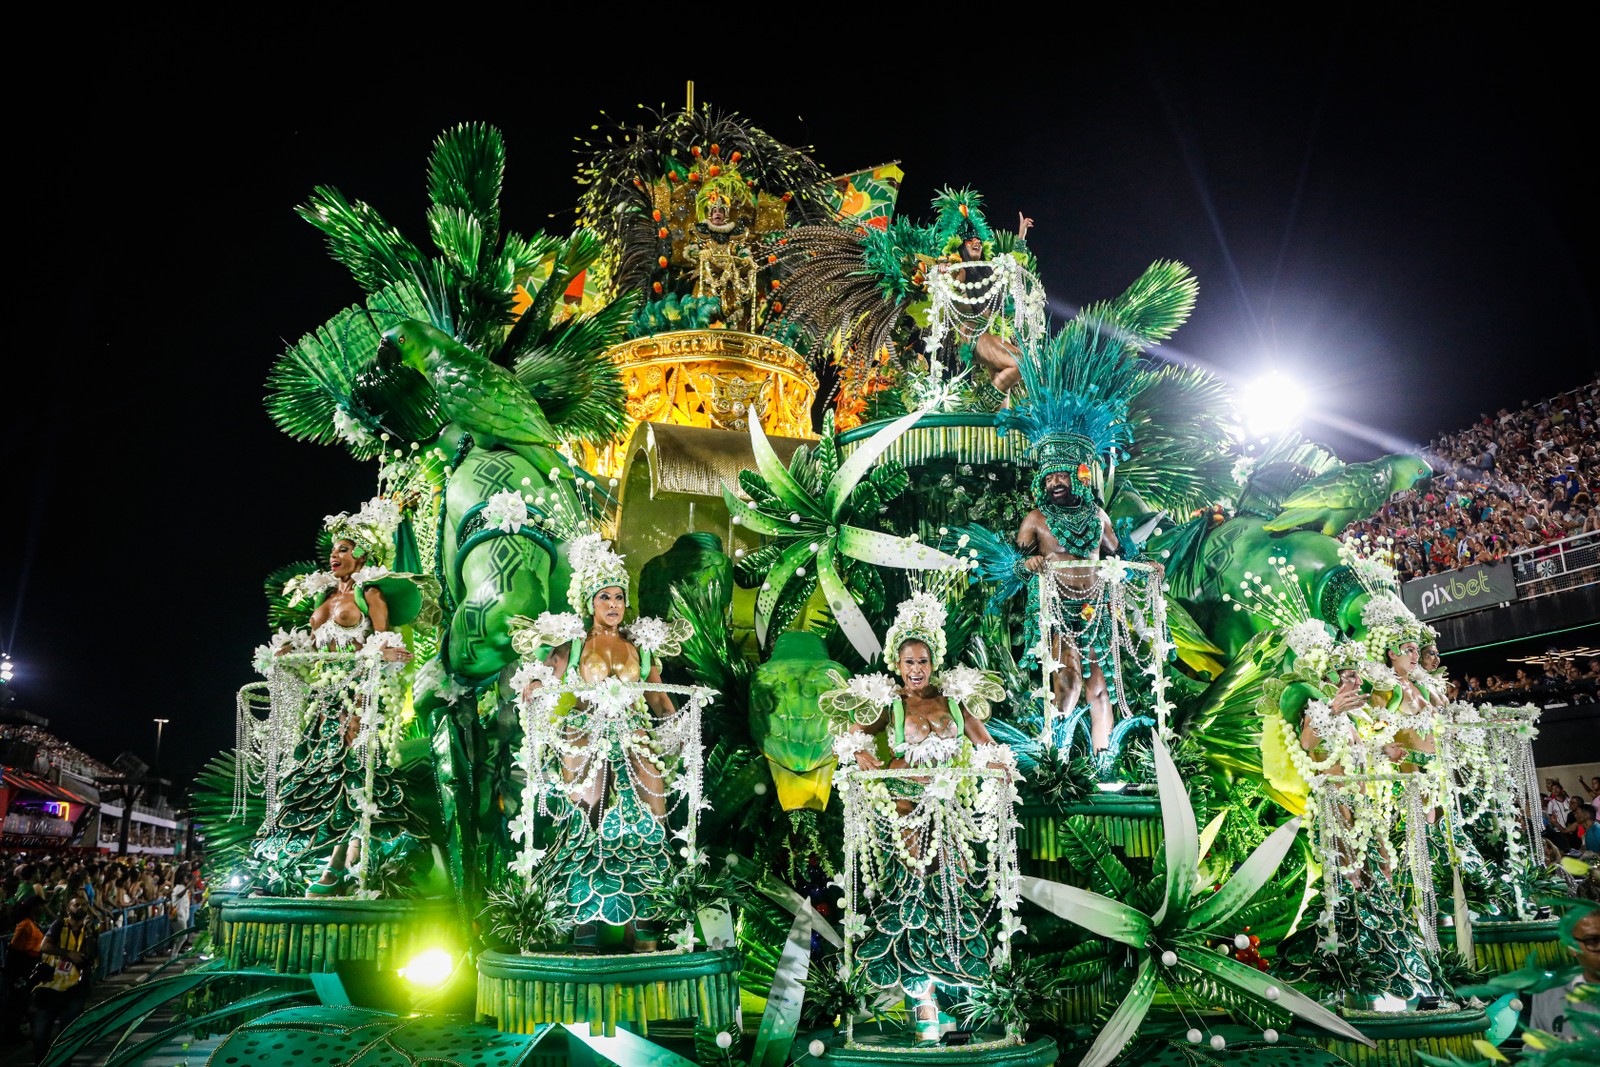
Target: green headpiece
1074	403
1391	625
921	618
594	567
370	531
960	218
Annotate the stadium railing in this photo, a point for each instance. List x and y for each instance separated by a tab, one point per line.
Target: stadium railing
1557	566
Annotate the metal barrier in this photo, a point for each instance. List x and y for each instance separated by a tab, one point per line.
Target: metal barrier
133	940
1557	566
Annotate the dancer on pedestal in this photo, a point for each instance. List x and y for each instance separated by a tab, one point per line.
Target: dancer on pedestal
932	853
340	787
613	745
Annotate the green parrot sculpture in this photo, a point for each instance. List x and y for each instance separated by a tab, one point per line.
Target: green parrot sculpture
482	398
1332	501
786	723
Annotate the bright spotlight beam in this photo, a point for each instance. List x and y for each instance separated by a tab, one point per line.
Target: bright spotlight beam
1270	405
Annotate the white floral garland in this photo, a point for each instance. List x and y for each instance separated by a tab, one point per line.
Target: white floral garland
529	637
659	637
862	699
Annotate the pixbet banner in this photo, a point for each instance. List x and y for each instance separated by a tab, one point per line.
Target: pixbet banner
1454	592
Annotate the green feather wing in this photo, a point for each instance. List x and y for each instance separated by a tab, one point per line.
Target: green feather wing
1153	307
1177	461
465	174
227	839
315	379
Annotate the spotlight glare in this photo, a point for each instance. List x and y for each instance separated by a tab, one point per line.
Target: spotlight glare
1270	405
429	968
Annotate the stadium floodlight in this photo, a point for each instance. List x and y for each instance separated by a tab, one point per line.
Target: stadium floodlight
1270	405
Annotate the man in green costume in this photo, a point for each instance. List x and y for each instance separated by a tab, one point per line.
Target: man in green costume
1067	525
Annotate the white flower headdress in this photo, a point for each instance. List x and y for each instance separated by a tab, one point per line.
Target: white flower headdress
370	530
594	567
921	618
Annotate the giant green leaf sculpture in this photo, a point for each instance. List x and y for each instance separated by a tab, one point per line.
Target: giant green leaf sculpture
805	510
1172	944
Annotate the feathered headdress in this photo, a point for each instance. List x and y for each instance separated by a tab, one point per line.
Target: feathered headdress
921	618
1074	408
959	219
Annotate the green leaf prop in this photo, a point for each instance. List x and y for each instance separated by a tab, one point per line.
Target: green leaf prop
806	509
1183	928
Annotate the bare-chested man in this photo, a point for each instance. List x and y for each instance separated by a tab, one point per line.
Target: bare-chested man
1069	525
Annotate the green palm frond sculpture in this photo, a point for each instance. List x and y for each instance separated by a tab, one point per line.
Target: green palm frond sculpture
540	376
808	513
1173	943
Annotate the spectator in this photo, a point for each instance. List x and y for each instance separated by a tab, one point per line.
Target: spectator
1588	832
22	959
181	904
1555	805
70	948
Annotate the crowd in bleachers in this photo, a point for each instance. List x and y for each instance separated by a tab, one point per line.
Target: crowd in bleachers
55	752
1513	480
1564	679
56	909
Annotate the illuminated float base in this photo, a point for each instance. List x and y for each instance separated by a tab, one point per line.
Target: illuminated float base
1400	1036
899	1048
519	993
313	936
1503	947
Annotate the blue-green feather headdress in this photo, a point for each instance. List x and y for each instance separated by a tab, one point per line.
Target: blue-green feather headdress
1073	407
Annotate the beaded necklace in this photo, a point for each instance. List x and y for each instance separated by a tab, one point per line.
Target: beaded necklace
1077	528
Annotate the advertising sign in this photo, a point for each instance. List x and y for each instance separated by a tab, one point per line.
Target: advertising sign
1454	592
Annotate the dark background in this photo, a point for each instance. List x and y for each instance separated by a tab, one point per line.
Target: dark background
1399	221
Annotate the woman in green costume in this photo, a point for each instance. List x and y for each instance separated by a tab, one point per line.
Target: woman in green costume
339	770
612	844
1369	921
933	870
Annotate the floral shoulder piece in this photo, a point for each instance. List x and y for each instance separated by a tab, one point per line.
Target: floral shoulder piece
860	700
1380	676
531	637
309	586
505	511
659	637
293	640
971	688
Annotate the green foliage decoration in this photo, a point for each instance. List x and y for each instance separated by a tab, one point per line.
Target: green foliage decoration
522	917
808	512
1171	943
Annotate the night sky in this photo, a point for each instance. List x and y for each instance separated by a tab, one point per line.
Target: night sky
1402	225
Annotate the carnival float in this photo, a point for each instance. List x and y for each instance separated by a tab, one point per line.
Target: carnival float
771	639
